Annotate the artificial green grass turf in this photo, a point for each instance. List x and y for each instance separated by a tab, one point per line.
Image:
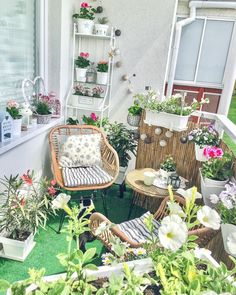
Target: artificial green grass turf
49	243
232	117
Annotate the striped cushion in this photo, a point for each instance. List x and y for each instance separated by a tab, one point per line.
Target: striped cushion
84	176
136	230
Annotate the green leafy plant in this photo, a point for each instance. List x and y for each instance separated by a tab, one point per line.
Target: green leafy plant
102	66
103	20
121	138
72	121
42	107
86	12
204	136
218	168
135	109
13	109
168	164
26	204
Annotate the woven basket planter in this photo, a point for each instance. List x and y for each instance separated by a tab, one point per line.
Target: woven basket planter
133	120
43	119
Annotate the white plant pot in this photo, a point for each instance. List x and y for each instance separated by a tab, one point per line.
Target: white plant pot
85	26
121	176
16	127
101	30
166	120
139	267
80	74
199	153
165	174
209	187
81	101
226	230
102	78
17	250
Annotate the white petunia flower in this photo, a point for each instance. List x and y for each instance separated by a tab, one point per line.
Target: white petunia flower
139	251
176	209
103	226
173	232
205	254
209	217
60	201
214	198
187	194
231	243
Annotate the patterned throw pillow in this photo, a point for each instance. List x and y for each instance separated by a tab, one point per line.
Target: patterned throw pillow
81	150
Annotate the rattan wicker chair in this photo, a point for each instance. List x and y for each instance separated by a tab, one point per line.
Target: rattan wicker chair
204	234
109	157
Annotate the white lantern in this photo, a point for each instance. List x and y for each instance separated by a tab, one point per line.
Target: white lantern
26	113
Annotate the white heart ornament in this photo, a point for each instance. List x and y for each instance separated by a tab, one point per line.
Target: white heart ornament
26	83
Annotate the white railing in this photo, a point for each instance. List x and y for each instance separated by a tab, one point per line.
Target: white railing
222	123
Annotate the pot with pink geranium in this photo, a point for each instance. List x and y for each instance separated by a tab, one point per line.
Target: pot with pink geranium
102	72
13	108
92	119
82	63
203	137
85	19
215	172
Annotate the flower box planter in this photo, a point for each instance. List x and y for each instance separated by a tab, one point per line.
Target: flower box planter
85	26
101	29
199	153
166	120
141	266
226	230
121	176
81	100
17	250
209	187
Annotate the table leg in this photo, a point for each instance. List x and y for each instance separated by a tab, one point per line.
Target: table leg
133	201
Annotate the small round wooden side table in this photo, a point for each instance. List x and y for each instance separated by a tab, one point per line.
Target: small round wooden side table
135	180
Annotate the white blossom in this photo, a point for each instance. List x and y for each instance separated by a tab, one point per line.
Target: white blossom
209	217
175	209
187	194
60	201
214	199
231	243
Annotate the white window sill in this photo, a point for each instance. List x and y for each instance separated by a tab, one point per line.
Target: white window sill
29	134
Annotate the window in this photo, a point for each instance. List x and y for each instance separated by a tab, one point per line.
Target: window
203	51
17	46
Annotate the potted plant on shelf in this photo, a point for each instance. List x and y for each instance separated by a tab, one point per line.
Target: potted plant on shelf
167	167
102	72
226	206
85	18
134	114
206	136
82	63
25	208
42	110
215	172
121	139
98	91
13	108
172	113
101	28
90	120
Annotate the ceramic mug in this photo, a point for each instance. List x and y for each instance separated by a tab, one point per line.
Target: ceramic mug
148	178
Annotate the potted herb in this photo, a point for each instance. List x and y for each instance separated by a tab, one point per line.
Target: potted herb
226	206
82	63
172	113
85	18
42	110
25	207
206	136
13	109
101	27
215	172
134	115
123	142
102	72
167	167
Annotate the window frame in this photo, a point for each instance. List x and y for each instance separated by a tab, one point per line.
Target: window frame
205	84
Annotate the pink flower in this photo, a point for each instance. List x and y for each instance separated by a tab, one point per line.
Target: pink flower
27	178
213	152
53	182
84	54
102	62
12	104
51	190
219	153
93	117
84	5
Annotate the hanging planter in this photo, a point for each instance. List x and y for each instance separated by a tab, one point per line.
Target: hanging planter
199	153
133	120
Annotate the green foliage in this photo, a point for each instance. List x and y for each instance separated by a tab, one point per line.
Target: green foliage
82	62
207	135
26	206
218	168
103	20
169	164
102	67
71	121
42	107
14	113
85	13
135	109
122	141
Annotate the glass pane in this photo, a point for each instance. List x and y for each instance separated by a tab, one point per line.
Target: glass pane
214	51
188	51
17	46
